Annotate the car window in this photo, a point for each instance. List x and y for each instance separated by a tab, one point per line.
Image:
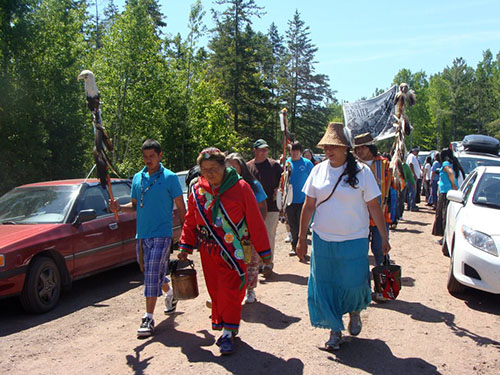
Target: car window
468	185
469	163
121	192
182	180
466	181
94	199
488	190
37	205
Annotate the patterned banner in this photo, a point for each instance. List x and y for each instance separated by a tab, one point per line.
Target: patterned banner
374	115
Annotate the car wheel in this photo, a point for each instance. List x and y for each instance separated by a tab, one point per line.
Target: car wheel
42	286
454	287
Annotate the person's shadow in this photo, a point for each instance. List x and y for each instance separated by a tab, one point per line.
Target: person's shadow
285	277
265	314
245	359
423	313
375	357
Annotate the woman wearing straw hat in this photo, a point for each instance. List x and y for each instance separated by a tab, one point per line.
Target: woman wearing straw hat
343	194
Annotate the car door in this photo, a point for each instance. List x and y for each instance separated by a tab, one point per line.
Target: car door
97	243
454	208
127	221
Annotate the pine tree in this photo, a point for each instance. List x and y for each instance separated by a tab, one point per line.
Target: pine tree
307	92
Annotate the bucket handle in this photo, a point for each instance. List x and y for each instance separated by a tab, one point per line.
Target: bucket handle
173	264
387	262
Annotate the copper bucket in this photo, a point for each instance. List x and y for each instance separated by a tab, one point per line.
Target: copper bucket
184	282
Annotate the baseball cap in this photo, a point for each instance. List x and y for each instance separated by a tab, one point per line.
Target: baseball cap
260	143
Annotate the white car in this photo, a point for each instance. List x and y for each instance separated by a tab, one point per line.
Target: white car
472	232
470	160
182	179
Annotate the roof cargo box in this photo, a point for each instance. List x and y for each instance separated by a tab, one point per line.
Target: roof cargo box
481	143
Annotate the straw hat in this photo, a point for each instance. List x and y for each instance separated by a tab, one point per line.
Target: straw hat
364	139
334	136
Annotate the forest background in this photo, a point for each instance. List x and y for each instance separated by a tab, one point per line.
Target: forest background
225	94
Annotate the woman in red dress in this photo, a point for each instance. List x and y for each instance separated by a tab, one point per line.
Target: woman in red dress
222	214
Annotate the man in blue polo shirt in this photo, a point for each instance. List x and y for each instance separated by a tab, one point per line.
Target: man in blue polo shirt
154	191
301	167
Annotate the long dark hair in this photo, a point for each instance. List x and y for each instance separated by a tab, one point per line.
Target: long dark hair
245	172
352	169
447	155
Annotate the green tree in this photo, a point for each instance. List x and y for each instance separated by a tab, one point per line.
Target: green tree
423	130
306	91
229	58
439	109
43	136
485	95
459	77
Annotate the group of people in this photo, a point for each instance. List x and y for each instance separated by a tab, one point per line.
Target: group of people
342	200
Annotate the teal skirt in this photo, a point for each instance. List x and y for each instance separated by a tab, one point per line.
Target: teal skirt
339	281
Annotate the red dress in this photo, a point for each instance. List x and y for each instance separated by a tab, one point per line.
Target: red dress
222	263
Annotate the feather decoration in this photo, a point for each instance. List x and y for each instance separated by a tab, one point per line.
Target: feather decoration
404	97
102	142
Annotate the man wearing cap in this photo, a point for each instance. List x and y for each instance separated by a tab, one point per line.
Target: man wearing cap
414	165
367	153
268	172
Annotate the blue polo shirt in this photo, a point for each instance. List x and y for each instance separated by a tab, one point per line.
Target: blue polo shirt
300	171
260	194
154	219
444	179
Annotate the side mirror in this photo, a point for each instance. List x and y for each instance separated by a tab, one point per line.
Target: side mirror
83	216
455	196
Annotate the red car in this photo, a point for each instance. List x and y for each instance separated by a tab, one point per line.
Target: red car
52	233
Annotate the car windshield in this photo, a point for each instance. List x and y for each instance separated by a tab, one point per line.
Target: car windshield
470	163
488	191
37	205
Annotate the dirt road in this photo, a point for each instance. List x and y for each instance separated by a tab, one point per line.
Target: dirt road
425	331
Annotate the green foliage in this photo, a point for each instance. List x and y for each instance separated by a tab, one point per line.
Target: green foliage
43	136
186	96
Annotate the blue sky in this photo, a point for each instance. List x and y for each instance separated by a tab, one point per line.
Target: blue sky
363	44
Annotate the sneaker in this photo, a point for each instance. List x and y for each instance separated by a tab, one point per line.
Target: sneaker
147	327
334	342
250	296
208	304
292	253
219	340
379	297
267	270
225	344
170	304
288	238
355	325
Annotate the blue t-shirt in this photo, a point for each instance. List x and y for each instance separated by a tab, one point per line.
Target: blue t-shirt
260	194
444	179
435	168
154	210
300	171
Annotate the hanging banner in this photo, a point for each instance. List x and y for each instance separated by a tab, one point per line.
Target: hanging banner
374	115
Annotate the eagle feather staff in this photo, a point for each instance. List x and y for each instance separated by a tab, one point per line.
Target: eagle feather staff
404	97
102	141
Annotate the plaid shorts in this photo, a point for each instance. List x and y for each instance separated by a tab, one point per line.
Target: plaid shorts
156	252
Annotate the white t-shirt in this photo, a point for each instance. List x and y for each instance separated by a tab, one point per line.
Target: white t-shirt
427	171
412	159
345	215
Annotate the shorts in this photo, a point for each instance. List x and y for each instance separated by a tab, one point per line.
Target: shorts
156	252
